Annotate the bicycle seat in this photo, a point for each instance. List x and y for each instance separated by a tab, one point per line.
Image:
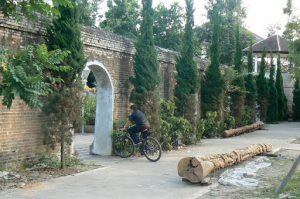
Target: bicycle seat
145	130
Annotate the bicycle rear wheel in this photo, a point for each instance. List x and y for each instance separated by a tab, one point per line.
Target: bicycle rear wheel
123	146
151	149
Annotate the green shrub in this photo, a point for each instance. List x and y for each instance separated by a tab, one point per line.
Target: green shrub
47	161
166	137
200	130
89	109
173	128
115	134
119	123
229	122
248	116
212	127
167	109
181	127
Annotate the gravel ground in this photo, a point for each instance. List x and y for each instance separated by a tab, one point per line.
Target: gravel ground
29	177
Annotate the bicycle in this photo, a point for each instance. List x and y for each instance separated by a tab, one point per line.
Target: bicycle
124	146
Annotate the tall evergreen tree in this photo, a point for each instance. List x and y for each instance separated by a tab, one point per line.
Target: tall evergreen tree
63	106
168	26
250	86
272	113
213	84
122	17
282	101
64	33
187	79
231	13
146	69
238	96
88	11
262	89
296	101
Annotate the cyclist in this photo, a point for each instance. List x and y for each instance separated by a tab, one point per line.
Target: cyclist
141	123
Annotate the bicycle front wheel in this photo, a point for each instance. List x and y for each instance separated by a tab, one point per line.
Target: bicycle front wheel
151	149
123	147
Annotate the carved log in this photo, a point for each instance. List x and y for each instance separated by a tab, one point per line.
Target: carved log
244	129
195	169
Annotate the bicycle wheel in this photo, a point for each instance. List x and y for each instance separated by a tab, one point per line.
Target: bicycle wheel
151	149
123	147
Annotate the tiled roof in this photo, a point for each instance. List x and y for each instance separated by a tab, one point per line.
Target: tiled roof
275	44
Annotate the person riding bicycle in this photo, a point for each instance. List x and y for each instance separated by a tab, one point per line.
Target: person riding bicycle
141	123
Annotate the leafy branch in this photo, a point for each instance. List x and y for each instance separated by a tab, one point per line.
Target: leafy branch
27	74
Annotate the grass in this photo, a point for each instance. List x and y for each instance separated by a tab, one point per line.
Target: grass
292	188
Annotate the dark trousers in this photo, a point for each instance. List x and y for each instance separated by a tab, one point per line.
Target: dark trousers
134	131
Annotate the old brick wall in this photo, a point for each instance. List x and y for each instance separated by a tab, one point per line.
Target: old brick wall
21	128
20	134
15	35
116	54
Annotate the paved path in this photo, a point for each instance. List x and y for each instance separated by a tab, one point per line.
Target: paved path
82	144
138	178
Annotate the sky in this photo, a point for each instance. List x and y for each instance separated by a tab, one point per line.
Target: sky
260	13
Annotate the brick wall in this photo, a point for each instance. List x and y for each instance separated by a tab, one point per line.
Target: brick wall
116	54
21	131
21	128
21	135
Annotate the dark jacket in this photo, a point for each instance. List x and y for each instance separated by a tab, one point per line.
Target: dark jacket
139	118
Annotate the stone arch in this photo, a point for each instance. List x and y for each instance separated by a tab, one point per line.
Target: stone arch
102	144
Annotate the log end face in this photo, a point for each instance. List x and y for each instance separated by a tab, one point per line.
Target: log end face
194	169
182	165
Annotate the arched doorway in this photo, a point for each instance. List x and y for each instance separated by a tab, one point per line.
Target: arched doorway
102	144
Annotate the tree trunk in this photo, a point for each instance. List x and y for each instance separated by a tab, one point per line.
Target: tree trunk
244	129
195	169
62	148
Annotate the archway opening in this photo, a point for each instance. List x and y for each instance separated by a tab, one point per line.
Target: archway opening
102	143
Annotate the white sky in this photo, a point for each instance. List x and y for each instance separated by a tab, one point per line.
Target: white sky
260	13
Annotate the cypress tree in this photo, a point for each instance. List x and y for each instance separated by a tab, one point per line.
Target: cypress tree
146	69
282	101
213	85
238	96
296	101
64	34
262	89
250	86
272	113
63	106
187	79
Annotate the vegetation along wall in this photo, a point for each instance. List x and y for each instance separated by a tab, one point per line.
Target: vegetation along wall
21	134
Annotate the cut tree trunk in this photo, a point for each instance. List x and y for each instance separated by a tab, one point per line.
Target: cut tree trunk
195	169
244	129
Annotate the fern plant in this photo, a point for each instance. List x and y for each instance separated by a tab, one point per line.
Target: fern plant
27	74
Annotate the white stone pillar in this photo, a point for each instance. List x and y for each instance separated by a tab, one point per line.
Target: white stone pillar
255	64
276	66
84	75
102	144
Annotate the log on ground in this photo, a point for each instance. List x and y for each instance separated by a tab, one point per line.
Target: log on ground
195	169
244	129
